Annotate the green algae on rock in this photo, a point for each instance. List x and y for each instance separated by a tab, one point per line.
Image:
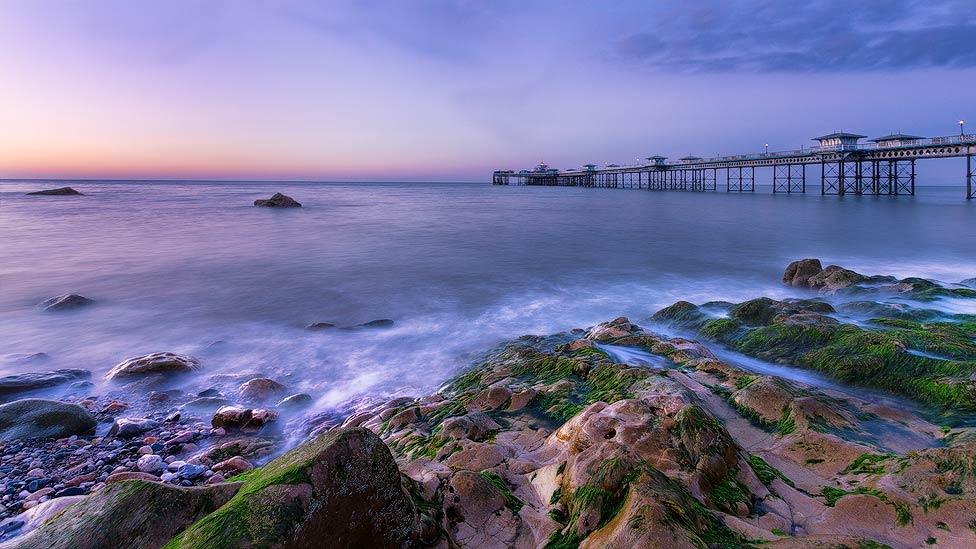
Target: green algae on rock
342	489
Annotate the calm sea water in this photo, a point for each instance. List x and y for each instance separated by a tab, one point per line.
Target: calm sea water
178	266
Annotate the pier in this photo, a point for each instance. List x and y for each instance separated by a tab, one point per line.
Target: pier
881	166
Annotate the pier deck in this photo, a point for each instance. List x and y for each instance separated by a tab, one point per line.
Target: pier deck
884	167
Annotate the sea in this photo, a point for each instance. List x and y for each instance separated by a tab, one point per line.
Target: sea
192	267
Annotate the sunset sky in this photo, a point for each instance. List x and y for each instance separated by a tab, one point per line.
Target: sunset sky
450	90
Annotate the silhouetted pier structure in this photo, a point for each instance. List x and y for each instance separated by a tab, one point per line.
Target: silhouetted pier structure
883	166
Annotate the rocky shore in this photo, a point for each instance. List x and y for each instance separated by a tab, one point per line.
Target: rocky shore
657	432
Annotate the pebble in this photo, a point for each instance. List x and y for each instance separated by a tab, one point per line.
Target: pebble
234	465
150	463
189	471
129	475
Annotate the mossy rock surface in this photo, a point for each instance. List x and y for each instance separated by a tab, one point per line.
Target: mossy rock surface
342	489
933	362
132	513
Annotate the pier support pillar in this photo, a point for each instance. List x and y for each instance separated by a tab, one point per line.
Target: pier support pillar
970	188
830	179
790	178
740	179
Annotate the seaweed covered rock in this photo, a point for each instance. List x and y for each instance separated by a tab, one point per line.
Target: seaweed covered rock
35	418
341	490
132	513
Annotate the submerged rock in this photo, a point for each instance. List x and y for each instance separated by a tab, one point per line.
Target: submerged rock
34	418
32	381
315	326
342	490
60	191
65	302
133	513
278	200
153	364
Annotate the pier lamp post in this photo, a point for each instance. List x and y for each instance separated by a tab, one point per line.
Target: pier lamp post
961	133
767	148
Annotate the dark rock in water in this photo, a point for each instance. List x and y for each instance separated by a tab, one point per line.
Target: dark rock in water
33	418
278	201
61	191
128	427
66	302
381	323
320	326
131	513
211	392
343	489
153	364
31	381
295	401
799	272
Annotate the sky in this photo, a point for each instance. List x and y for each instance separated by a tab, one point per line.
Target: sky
451	90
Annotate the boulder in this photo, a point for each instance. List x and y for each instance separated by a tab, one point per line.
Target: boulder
342	489
278	200
799	272
834	278
259	388
241	418
34	418
317	326
155	363
128	427
65	302
133	513
60	191
32	381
